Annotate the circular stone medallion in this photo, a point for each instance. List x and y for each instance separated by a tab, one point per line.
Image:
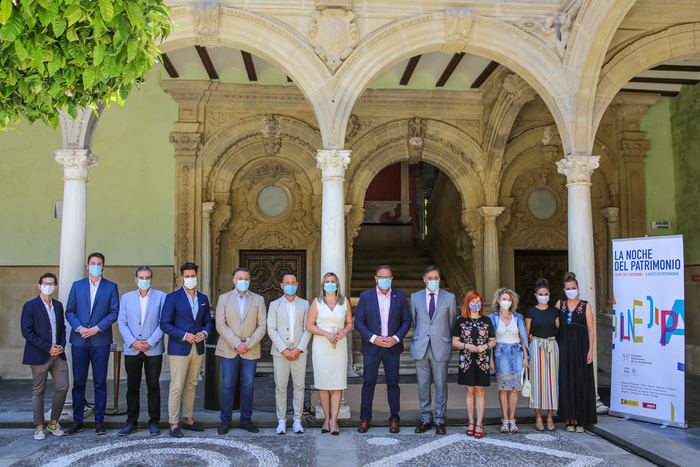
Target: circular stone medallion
542	204
272	201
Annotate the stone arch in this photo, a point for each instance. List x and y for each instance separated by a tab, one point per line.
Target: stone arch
535	62
642	54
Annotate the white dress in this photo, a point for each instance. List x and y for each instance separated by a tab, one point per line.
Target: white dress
330	364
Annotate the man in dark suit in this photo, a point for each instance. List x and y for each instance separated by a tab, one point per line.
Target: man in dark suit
45	331
186	318
382	319
93	305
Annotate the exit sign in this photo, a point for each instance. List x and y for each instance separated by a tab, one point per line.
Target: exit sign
661	225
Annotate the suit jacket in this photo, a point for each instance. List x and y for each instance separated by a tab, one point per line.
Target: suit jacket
436	331
36	329
368	321
103	314
131	327
233	330
278	325
176	320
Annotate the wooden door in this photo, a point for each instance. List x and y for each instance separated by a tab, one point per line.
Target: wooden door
530	265
266	268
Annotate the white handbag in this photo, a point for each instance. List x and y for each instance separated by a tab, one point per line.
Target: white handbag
526	388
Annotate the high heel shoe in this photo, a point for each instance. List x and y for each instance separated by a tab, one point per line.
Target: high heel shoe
324	429
470	430
479	434
335	432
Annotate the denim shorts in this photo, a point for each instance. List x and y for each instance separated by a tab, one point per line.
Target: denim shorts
509	358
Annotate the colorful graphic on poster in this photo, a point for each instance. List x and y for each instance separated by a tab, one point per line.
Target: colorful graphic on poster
648	347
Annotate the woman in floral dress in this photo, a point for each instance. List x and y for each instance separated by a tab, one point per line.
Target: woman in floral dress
473	334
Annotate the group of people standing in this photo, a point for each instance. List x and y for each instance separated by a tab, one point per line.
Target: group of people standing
562	373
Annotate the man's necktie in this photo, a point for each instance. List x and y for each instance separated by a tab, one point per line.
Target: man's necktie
431	306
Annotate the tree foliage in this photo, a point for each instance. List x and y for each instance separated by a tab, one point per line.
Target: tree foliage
69	54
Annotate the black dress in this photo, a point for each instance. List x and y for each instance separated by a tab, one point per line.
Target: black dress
576	383
473	366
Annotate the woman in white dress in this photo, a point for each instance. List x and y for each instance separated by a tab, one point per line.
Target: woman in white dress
330	320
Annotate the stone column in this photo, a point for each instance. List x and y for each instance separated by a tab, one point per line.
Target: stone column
207	209
491	258
405	195
612	216
578	169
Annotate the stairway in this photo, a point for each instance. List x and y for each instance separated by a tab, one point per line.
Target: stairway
407	265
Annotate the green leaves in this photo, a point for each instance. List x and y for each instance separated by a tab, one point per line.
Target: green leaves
68	54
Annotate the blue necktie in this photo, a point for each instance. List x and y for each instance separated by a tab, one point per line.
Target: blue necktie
431	306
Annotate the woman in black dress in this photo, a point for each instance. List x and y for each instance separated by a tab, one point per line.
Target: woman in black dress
473	334
576	337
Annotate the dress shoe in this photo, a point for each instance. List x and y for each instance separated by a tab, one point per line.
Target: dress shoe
394	426
440	429
127	430
423	427
176	432
223	428
99	429
364	426
250	427
194	426
154	429
76	428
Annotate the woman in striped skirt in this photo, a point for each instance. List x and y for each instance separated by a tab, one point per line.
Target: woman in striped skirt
542	322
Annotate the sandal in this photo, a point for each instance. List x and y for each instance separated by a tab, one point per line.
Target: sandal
504	426
569	428
470	430
478	434
513	426
579	429
539	426
550	426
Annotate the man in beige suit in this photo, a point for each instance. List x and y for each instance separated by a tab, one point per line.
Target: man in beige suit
240	321
286	321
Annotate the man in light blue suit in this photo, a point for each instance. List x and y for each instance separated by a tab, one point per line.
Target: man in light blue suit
433	311
93	305
139	324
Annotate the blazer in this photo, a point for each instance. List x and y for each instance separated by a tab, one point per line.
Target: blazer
233	330
36	329
368	321
176	320
103	314
519	320
436	331
278	325
131	327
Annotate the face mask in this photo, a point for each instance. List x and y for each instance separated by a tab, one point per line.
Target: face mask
190	282
505	304
95	270
242	285
433	285
290	289
143	284
47	289
571	293
384	283
330	287
543	299
476	306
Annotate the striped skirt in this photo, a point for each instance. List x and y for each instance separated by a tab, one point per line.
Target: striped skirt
544	369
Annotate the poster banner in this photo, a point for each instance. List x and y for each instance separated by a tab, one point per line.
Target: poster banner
648	348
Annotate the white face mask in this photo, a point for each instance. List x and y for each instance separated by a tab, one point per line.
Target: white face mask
190	282
505	304
543	299
571	294
47	289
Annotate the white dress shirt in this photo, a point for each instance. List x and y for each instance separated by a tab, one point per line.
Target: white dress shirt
93	291
52	319
384	300
143	302
291	308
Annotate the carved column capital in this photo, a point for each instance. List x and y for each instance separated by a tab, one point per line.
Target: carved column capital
208	208
186	144
75	162
490	213
611	214
333	163
458	26
633	145
578	168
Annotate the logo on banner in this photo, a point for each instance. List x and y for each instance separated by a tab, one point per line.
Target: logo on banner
666	322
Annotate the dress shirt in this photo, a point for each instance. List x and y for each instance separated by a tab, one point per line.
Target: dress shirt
384	300
93	291
241	303
291	307
52	319
427	297
194	303
143	302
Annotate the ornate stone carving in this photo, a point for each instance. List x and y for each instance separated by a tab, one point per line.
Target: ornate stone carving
458	26
520	91
354	127
553	30
75	162
578	168
272	141
206	23
633	145
273	239
416	139
552	144
333	34
333	163
78	132
183	180
186	144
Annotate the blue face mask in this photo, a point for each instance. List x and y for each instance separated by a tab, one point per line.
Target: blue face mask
384	283
95	270
433	285
330	287
144	284
290	289
476	306
242	285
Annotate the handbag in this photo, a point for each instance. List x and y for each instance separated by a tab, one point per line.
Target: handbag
526	387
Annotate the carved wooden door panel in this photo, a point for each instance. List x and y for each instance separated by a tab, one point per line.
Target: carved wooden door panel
266	267
530	265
